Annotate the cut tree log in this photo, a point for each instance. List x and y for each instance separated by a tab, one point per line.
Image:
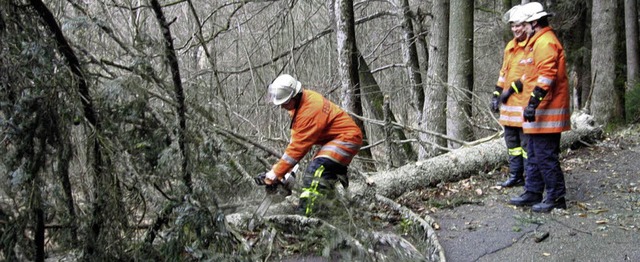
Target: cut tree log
462	163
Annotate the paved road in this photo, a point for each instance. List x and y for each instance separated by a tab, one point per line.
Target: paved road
602	222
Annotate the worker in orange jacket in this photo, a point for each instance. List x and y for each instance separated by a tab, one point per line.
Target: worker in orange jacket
314	121
546	114
509	92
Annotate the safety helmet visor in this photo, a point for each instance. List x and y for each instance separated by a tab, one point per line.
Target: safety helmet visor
283	89
279	95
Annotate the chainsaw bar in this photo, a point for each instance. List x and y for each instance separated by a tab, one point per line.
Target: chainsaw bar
259	214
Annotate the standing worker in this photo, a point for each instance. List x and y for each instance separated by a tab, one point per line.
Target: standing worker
546	114
314	121
509	93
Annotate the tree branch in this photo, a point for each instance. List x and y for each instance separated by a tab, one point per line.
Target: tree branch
172	60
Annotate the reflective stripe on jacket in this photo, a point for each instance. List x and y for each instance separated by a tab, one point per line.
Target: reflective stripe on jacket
512	69
546	67
320	122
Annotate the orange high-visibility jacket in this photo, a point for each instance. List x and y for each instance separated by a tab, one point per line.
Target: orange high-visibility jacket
319	122
545	67
512	69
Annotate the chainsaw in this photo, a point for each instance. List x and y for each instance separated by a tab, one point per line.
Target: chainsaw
274	192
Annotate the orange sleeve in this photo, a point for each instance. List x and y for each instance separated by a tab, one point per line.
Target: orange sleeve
546	57
307	128
507	56
501	76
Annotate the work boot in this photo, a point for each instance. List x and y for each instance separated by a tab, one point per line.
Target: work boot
514	180
526	199
548	205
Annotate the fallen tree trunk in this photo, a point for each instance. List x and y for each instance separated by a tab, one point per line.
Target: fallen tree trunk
382	187
453	166
461	163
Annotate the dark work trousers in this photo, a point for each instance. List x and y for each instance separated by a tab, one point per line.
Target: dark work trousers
516	142
543	166
318	183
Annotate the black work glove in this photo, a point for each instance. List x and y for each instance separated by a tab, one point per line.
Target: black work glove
284	186
270	189
495	102
515	87
537	95
259	179
529	113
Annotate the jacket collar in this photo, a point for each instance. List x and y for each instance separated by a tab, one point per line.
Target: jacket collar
513	44
540	32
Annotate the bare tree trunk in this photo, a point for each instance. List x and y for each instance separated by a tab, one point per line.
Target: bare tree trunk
373	99
460	72
347	57
348	67
410	57
172	60
633	64
606	104
434	112
582	63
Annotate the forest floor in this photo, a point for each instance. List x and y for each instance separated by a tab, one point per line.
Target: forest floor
601	222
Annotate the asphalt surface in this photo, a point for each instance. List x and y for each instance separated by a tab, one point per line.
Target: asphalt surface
601	223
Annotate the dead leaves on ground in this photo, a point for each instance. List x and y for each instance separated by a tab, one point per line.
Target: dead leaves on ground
448	195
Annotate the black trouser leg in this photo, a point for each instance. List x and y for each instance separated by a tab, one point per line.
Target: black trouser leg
319	182
515	139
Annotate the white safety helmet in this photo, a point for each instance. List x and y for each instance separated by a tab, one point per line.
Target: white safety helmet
515	15
533	11
283	88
